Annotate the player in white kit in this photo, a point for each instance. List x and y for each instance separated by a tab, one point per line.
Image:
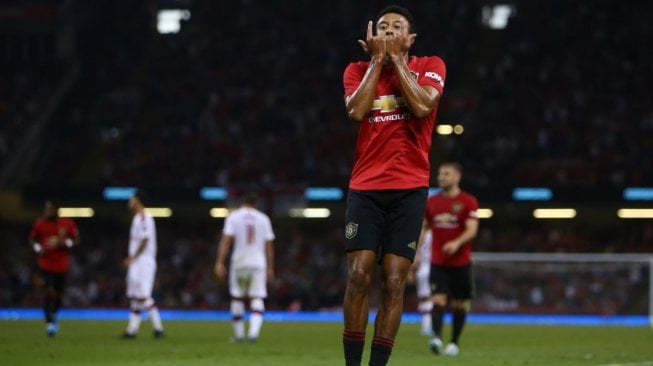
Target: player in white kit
422	283
249	232
141	268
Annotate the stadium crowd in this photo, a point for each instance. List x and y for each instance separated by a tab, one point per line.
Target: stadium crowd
197	108
242	97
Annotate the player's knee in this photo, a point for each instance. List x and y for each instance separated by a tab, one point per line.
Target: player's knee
237	307
359	279
148	303
394	283
425	306
458	306
135	306
257	305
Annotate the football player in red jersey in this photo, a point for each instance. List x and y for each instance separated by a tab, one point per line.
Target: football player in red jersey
452	217
394	98
51	238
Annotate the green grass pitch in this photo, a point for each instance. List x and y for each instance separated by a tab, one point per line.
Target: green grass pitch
206	343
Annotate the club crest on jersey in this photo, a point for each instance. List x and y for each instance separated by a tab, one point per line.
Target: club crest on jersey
351	229
457	207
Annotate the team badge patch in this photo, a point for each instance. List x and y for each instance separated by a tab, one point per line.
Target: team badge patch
412	245
351	229
457	207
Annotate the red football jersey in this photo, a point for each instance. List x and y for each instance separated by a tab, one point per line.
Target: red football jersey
447	216
45	232
392	150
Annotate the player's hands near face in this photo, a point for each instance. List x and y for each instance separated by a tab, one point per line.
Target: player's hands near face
220	271
373	45
398	44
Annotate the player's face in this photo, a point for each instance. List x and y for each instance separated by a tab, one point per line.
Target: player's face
392	24
50	210
131	204
448	177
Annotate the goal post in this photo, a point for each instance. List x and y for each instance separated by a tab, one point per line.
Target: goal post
564	283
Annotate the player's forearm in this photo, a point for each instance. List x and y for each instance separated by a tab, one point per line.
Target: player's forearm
223	249
466	236
360	102
419	100
269	251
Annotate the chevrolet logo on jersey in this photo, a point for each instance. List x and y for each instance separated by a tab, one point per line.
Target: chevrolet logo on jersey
388	103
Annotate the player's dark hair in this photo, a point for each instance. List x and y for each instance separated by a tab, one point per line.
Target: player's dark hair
142	196
249	198
401	11
51	202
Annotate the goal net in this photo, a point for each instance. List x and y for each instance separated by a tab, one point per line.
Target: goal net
564	283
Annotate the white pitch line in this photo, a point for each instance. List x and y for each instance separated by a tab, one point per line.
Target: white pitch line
647	363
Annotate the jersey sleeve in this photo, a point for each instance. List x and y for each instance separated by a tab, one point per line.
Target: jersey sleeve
352	78
145	227
269	233
434	73
228	228
150	228
71	229
472	211
34	232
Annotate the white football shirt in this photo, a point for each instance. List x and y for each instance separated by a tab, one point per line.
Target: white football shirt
143	228
250	229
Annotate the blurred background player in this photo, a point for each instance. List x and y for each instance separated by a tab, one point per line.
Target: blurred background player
249	232
52	237
394	98
422	266
141	268
451	216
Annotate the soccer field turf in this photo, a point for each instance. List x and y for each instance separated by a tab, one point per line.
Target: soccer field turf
206	343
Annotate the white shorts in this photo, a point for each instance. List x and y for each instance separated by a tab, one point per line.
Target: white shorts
247	282
422	281
140	280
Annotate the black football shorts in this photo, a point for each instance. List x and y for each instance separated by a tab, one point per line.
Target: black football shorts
455	282
387	221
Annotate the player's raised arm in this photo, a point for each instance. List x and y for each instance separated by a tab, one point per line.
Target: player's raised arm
421	99
359	103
